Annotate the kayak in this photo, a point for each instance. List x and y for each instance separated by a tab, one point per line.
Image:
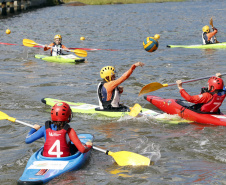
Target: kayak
40	169
85	108
184	110
221	45
93	109
61	58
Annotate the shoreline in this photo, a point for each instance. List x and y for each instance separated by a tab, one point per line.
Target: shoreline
109	2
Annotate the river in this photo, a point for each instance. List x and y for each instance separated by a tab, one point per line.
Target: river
184	154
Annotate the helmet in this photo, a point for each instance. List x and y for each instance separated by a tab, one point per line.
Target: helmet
61	112
107	71
215	83
206	29
57	37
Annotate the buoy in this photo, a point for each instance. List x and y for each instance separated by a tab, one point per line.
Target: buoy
8	31
82	38
150	44
157	36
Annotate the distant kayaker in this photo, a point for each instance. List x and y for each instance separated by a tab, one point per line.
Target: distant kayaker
58	134
56	47
210	99
207	36
109	90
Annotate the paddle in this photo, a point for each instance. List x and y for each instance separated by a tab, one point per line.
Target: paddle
4	116
211	24
156	85
135	110
122	158
31	43
125	158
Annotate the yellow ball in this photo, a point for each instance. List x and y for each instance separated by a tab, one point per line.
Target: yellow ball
157	36
82	38
8	31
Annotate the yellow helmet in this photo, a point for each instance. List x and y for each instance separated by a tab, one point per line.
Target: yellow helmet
57	37
107	71
206	29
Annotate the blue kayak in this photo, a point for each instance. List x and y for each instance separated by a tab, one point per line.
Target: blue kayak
40	169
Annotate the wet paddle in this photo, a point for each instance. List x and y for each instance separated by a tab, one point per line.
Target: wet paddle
122	158
125	158
4	116
31	43
211	24
156	85
135	110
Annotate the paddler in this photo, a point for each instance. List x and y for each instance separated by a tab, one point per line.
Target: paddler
207	36
56	47
210	99
109	91
58	134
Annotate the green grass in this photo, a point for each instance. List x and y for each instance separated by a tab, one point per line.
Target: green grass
103	2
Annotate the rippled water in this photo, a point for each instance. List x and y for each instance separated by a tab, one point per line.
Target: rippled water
189	153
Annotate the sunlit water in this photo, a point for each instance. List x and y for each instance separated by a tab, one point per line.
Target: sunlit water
184	154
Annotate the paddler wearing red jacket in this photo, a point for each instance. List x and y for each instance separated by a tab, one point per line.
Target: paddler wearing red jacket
58	134
207	36
208	101
56	47
109	91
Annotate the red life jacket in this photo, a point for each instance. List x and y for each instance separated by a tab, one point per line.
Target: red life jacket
56	144
214	104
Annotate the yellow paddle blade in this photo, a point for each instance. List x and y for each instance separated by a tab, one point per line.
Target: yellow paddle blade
80	52
5	116
29	43
125	158
211	22
135	110
151	87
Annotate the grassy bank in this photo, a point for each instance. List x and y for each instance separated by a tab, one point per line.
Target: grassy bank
103	2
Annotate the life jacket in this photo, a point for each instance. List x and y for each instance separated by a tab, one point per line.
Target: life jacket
102	97
56	50
214	104
57	143
205	39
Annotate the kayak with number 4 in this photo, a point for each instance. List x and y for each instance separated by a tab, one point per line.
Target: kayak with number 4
40	169
93	109
221	45
61	58
185	111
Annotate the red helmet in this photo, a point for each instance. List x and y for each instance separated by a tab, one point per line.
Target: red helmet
61	112
215	83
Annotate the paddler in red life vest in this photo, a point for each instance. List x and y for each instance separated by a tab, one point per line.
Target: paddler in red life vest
58	134
207	36
56	47
210	99
109	91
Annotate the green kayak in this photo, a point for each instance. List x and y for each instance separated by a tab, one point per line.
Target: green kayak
61	58
85	108
221	45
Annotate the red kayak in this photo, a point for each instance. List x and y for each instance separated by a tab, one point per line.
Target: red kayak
184	110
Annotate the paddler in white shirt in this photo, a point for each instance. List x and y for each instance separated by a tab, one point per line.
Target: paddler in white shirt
56	47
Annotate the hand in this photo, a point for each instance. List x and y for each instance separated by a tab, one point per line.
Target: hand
120	88
141	64
214	28
218	75
89	143
179	84
36	127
